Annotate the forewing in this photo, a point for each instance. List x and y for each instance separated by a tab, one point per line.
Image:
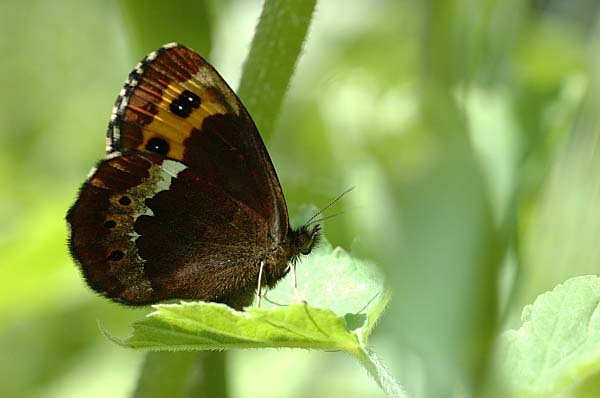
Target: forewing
176	104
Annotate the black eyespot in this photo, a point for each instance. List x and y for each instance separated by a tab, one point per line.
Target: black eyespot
158	145
187	97
110	224
116	255
125	201
180	108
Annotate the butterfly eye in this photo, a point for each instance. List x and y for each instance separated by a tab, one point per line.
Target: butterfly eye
158	145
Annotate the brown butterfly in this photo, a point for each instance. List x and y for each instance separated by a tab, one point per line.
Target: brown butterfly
187	203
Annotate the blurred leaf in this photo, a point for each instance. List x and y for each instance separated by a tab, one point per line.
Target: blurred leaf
43	357
587	389
276	46
435	231
35	257
542	42
558	344
558	232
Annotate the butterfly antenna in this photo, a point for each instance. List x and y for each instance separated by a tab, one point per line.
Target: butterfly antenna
328	206
339	213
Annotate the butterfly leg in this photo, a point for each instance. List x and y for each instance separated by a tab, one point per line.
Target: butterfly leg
297	293
258	290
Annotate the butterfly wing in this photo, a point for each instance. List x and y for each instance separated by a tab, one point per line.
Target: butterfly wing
176	104
143	230
187	203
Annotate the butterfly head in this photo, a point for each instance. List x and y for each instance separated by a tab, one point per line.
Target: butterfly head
306	238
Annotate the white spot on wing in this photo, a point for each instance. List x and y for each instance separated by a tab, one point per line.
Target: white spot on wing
149	57
160	180
132	237
173	167
170	170
113	155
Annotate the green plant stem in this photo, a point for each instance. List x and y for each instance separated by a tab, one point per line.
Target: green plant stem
182	374
275	49
371	362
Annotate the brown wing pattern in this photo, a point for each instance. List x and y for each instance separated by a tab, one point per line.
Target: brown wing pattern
187	203
136	245
175	104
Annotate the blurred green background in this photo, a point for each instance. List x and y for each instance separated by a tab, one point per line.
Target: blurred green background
469	128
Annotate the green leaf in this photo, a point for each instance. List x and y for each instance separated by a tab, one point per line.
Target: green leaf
352	289
206	326
345	297
276	46
332	278
559	227
558	344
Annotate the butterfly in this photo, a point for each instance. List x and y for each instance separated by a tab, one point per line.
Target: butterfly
186	204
